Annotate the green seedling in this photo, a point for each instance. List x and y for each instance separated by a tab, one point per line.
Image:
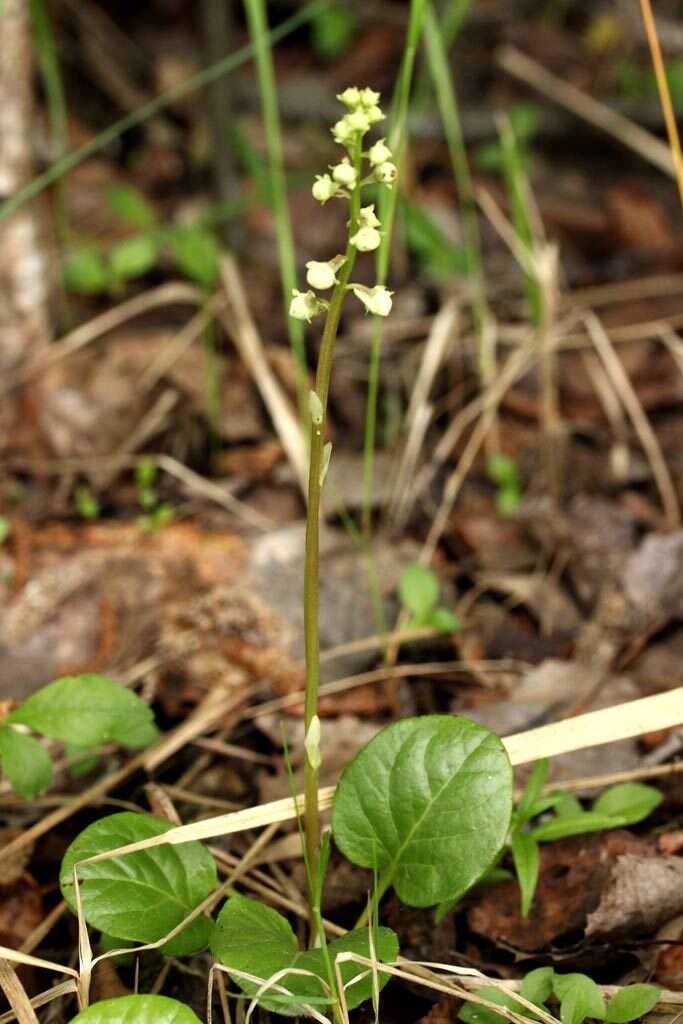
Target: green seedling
419	593
192	249
156	514
503	472
624	804
87	504
83	712
5	529
578	996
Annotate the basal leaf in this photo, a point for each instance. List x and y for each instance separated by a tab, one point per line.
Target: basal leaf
254	939
473	1013
26	763
427	801
631	1003
88	710
141	896
137	1010
537	986
579	998
630	801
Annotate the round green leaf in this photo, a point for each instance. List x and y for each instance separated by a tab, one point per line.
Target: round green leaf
254	939
26	763
137	1010
537	986
579	998
141	896
88	710
631	1003
428	802
630	801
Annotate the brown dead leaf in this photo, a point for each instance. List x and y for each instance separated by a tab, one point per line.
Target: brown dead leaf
14	866
21	911
573	875
642	893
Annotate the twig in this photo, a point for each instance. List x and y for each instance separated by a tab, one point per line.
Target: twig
165	294
664	93
242	329
641	423
567	95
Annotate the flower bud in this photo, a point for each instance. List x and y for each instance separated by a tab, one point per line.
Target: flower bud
351	97
358	121
366	239
369	98
379	153
367	217
305	305
374	115
345	174
386	173
376	300
324	188
320	275
342	132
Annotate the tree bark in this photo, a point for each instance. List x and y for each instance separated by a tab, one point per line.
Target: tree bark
24	283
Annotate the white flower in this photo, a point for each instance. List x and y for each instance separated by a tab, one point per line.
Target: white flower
351	97
379	153
367	217
342	132
324	188
358	121
386	173
345	174
369	98
374	115
376	300
305	305
320	275
366	239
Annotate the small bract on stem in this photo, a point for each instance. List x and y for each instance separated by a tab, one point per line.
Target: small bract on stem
346	180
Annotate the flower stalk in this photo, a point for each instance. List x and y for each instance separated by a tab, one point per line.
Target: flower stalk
346	182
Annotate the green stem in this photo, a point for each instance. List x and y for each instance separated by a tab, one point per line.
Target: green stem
312	552
381	887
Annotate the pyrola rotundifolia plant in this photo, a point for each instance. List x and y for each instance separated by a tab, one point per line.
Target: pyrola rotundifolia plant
362	164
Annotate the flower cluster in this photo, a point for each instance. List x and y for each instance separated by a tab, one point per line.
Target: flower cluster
343	181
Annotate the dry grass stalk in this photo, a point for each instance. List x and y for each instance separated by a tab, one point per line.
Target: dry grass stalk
641	424
664	93
243	331
585	107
